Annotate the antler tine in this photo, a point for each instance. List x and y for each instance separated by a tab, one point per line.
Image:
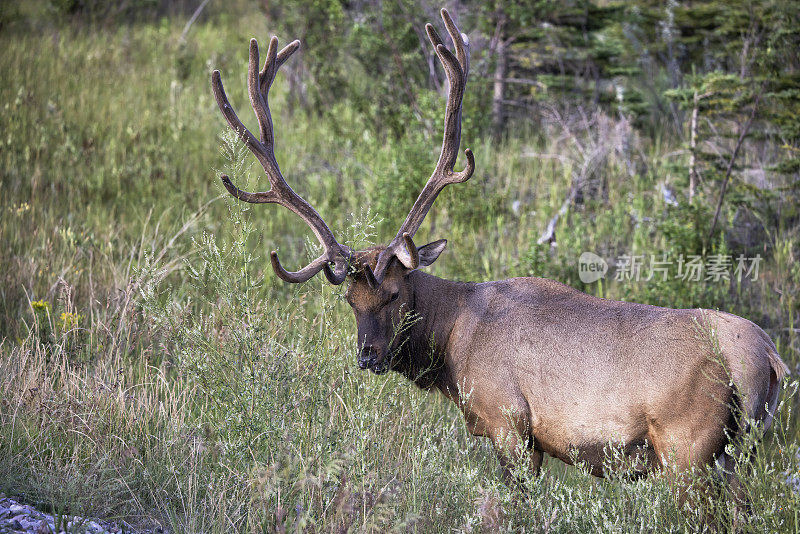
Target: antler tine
460	41
236	125
258	85
335	276
258	93
457	68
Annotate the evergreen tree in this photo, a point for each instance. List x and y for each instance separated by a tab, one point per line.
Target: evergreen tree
572	52
746	73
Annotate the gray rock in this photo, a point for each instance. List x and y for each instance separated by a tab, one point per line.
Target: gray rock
17	518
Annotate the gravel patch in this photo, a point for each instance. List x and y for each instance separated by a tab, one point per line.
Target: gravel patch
22	518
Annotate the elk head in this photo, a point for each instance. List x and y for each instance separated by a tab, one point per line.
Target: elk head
385	311
380	290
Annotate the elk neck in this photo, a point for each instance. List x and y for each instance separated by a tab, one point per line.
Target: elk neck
424	357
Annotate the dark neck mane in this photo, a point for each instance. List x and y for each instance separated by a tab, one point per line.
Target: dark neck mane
423	356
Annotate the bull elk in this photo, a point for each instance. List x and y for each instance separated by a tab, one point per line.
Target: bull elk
548	368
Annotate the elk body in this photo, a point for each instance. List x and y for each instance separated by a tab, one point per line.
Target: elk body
533	364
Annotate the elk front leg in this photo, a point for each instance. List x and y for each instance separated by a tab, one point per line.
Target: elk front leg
514	447
508	428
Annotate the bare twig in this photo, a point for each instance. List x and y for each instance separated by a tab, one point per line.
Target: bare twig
693	174
192	20
739	142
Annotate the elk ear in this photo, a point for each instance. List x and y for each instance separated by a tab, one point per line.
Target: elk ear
430	252
422	257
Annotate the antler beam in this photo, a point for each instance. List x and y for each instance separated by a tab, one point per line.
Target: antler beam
258	85
456	68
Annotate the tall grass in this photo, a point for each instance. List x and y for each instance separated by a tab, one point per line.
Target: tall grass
153	369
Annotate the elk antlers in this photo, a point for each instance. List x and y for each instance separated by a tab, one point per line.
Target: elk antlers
402	246
456	67
258	85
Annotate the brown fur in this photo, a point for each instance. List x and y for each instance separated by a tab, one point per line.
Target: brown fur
535	364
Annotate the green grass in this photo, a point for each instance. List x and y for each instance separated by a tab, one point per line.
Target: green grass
152	368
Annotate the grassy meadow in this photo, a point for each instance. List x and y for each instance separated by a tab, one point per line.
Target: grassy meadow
154	370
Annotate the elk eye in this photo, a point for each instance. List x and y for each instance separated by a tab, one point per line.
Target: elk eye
392	298
388	300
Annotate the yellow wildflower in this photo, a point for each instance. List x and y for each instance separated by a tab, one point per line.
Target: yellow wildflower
22	208
69	320
40	306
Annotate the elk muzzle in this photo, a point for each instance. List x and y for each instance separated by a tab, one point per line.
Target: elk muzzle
370	358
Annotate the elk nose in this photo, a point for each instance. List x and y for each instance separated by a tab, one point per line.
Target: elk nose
367	357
